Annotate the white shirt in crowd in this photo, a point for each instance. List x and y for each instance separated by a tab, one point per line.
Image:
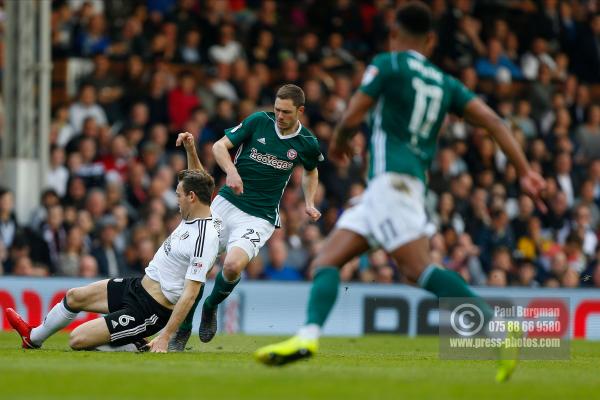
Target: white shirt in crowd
78	112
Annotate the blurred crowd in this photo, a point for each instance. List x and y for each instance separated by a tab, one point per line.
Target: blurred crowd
165	66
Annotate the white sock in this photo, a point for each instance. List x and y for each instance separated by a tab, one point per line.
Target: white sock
130	347
309	332
57	318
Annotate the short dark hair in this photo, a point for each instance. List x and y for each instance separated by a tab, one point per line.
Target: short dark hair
199	182
291	92
415	18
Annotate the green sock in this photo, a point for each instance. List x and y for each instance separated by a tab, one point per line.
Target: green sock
323	293
221	290
186	325
446	283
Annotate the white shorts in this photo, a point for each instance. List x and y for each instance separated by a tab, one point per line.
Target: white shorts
390	213
240	229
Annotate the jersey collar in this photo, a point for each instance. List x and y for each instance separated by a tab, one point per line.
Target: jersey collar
287	136
416	54
197	219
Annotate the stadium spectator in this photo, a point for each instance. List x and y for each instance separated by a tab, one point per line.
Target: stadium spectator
110	261
496	63
497	278
567	181
54	234
586	198
108	88
277	268
227	50
182	100
189	50
88	267
86	107
57	175
23	267
8	222
92	39
588	134
71	257
533	59
589	50
580	225
497	235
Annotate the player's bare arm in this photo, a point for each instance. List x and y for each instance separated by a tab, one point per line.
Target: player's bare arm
478	113
221	151
190	291
310	182
187	140
360	104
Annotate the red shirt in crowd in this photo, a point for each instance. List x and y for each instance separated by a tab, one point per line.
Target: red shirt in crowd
181	105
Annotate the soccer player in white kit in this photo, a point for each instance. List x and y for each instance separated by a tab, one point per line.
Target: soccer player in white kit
136	308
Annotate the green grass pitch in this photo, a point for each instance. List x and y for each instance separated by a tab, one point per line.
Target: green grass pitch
373	367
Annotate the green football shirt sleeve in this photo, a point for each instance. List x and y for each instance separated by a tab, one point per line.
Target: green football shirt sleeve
313	158
239	133
460	96
372	82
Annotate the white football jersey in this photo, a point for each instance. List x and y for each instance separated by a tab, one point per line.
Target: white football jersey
188	253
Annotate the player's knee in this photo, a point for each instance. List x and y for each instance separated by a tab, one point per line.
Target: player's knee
233	268
322	260
75	298
313	265
319	263
77	340
412	272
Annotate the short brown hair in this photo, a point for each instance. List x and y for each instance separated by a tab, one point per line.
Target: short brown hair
199	182
291	92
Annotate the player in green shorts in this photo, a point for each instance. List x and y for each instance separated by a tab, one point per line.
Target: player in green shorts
269	146
408	98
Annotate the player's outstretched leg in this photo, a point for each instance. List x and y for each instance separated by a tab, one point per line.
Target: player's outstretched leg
509	356
22	328
59	316
208	323
446	283
293	349
306	342
181	337
342	245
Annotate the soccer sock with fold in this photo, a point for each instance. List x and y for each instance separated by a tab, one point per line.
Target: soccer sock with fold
59	316
221	290
323	294
186	325
446	283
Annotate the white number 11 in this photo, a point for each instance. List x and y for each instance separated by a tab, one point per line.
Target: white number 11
425	110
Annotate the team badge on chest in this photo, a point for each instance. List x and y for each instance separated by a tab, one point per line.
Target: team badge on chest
292	154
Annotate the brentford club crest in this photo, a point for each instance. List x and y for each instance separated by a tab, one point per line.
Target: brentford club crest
292	154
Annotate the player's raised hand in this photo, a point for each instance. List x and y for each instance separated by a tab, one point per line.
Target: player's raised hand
234	181
313	213
159	344
532	185
186	139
